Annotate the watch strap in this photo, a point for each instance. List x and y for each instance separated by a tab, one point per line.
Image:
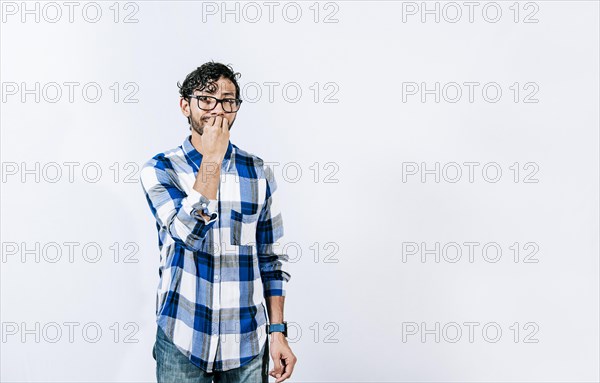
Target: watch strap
278	327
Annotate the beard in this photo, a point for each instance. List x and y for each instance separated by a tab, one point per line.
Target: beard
198	123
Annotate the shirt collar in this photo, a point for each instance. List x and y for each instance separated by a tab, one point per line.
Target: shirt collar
196	157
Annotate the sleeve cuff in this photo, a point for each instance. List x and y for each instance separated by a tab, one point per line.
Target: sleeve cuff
204	205
274	288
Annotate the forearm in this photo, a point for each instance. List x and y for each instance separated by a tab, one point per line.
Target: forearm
208	178
275	308
175	210
207	181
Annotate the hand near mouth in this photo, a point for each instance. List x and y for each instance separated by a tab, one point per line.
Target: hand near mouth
215	138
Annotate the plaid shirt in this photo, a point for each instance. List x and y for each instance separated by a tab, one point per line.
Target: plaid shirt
214	275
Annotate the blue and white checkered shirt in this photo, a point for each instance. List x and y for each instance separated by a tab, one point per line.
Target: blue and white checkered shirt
215	275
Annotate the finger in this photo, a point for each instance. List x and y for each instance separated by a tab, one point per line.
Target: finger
225	125
288	369
274	374
290	363
278	369
282	377
218	122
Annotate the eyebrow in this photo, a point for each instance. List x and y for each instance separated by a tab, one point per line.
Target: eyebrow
225	93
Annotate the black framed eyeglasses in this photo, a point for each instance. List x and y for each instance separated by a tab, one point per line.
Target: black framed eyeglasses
208	103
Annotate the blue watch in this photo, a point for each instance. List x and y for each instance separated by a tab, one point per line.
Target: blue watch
278	327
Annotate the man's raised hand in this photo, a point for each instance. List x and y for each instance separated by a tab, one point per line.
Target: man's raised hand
215	138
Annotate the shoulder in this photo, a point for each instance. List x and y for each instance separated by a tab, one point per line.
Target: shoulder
166	159
161	168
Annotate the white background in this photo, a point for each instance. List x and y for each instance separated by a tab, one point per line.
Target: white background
349	316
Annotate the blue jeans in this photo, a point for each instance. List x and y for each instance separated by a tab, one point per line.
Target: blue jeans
173	366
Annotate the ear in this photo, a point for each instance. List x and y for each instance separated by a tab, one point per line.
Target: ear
185	107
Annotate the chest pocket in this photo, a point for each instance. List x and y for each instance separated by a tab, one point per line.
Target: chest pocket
243	228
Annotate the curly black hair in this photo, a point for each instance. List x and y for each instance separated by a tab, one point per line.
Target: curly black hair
204	78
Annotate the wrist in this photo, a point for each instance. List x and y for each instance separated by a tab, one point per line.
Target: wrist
277	328
212	160
278	336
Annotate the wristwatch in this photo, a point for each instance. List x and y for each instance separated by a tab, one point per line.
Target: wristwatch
278	327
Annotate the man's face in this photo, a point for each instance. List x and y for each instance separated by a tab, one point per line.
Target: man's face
224	88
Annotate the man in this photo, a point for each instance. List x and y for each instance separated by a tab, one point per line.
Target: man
218	221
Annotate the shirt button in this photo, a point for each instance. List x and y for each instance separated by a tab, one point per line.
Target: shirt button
216	277
203	205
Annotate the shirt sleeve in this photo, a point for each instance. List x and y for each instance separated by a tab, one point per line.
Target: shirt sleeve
273	265
175	210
